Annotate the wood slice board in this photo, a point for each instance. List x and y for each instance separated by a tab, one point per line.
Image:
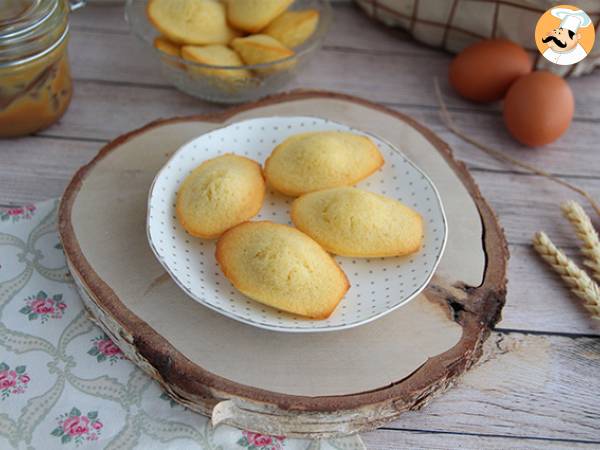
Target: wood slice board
315	385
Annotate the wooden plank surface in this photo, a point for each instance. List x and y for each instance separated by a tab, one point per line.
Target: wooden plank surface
528	385
397	439
539	384
571	155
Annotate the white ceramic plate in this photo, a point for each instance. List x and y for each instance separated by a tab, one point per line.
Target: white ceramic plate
378	285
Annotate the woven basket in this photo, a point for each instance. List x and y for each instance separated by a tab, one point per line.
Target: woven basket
455	24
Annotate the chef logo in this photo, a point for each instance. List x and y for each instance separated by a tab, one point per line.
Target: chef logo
564	35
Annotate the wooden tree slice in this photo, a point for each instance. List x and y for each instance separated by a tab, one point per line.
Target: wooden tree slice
313	385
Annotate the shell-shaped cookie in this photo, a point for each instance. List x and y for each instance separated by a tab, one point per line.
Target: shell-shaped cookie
254	15
259	49
192	22
313	161
166	46
293	28
219	194
279	266
348	221
215	55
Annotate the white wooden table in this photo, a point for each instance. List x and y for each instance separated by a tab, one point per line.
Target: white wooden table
538	385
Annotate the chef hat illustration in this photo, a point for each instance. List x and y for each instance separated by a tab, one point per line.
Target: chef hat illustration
571	19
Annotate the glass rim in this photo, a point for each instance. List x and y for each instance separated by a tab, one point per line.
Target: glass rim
41	30
40	54
28	21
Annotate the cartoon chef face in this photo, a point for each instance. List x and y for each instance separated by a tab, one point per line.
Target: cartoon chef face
561	43
561	39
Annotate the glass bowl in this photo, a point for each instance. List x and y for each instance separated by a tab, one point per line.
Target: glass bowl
194	78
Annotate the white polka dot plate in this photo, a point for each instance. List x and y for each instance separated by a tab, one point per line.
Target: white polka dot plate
378	285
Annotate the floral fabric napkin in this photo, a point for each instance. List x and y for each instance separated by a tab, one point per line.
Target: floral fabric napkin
65	385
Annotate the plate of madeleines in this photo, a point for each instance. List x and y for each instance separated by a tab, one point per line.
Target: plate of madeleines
296	224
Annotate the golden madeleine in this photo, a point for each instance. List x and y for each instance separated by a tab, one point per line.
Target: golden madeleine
348	221
215	55
194	22
293	28
313	161
254	15
260	48
219	194
279	266
164	45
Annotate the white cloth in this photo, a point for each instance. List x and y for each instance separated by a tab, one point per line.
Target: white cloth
426	23
566	58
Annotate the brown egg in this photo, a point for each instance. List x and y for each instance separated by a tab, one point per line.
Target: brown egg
538	108
484	71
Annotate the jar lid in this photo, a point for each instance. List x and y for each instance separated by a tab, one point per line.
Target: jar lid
30	28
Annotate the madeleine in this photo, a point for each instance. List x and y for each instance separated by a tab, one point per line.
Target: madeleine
281	267
194	22
313	161
219	194
259	49
254	15
293	28
215	55
348	221
166	46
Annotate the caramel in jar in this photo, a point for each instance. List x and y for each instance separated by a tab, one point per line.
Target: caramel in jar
35	79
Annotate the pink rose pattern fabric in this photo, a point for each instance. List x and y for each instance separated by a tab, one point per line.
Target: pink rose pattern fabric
18	213
42	307
52	361
12	381
78	428
257	441
103	349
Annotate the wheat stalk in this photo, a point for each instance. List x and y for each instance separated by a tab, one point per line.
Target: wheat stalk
578	280
588	235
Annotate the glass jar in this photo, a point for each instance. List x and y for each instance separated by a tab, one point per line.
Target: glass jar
35	80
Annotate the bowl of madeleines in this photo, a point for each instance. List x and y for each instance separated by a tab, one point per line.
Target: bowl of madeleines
230	51
296	224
